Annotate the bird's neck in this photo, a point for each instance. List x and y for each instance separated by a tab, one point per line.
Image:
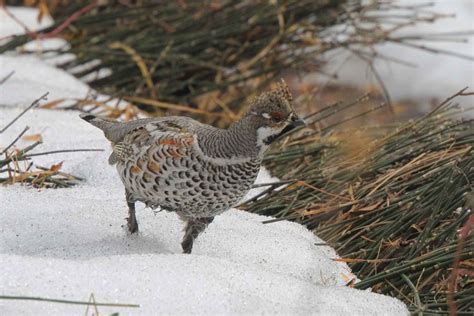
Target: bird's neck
243	135
238	141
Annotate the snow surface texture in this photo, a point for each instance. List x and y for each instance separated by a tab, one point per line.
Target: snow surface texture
32	77
432	75
69	243
28	16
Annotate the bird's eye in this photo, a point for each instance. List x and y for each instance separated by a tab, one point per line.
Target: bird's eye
277	116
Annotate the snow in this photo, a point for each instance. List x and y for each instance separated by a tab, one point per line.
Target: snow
69	243
27	15
32	77
71	240
432	75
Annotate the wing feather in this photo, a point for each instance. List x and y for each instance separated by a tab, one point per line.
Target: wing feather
169	135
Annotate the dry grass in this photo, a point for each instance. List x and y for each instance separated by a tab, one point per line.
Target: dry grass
207	59
391	203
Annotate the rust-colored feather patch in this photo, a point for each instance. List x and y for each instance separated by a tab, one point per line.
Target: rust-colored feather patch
176	152
135	169
188	141
154	167
185	141
169	141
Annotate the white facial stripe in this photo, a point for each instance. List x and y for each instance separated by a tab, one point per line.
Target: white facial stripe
266	115
263	133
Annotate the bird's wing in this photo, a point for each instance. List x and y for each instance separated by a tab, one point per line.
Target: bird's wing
170	137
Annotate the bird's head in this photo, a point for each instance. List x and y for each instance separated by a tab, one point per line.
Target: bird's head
272	115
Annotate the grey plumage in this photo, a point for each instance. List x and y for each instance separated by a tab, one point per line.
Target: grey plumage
193	169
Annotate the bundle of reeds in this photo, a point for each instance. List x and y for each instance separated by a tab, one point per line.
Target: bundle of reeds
203	57
392	201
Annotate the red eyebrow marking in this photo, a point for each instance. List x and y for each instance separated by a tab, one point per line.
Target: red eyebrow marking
278	116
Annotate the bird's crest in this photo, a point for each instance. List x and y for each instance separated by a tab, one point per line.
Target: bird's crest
281	92
284	91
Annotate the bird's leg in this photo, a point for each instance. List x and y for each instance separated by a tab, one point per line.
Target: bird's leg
131	219
193	228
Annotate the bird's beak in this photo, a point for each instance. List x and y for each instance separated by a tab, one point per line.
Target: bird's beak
295	122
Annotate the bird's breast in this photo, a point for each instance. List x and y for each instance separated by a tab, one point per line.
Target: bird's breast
179	177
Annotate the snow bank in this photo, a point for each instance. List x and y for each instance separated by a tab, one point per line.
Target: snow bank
32	76
94	212
69	243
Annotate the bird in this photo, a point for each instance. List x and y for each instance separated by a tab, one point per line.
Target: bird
193	169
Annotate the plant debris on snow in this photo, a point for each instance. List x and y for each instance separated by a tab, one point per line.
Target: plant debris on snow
16	165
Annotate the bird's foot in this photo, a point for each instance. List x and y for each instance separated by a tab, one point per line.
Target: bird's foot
132	225
187	245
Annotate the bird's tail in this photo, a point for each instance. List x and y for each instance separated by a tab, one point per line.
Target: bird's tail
108	126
